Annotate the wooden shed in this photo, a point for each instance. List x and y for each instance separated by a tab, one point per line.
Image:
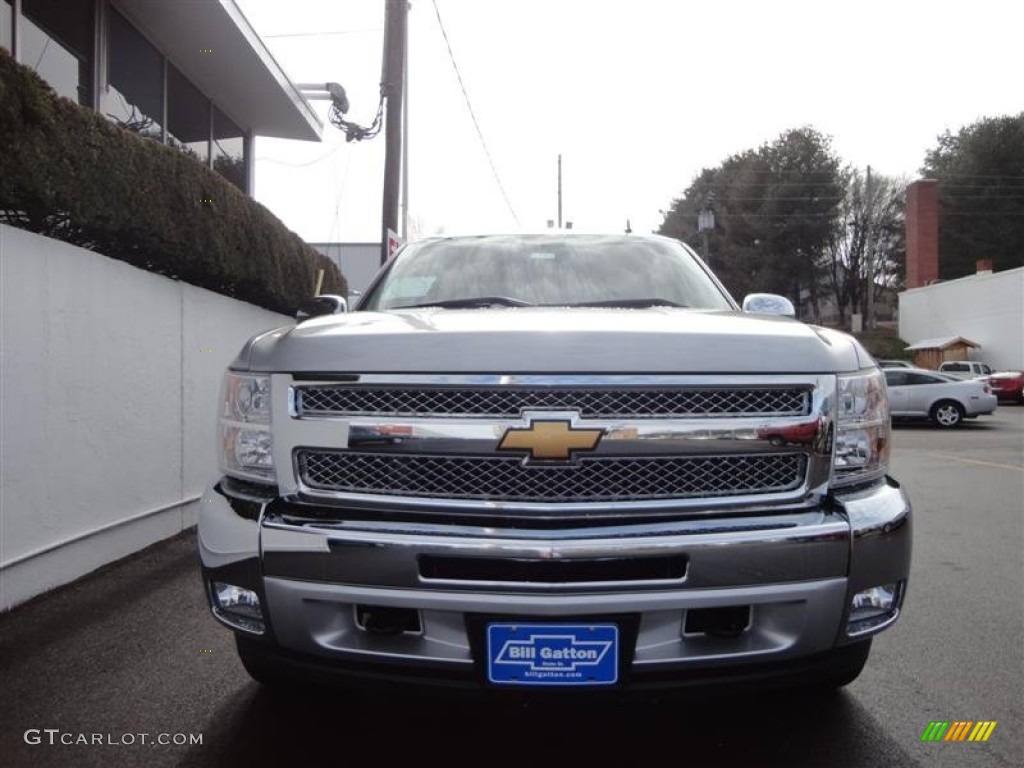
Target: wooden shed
930	353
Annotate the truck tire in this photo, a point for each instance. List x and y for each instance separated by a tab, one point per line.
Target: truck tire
259	668
848	663
947	413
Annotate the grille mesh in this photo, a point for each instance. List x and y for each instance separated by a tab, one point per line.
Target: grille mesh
351	400
590	479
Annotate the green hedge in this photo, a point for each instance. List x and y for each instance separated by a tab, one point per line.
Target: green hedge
884	345
69	173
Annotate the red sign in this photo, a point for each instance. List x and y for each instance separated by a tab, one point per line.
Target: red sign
394	243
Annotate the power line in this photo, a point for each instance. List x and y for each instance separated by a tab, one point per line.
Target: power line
804	199
325	34
945	175
472	114
300	165
340	190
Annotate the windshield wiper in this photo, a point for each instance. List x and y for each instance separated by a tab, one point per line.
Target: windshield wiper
478	301
629	303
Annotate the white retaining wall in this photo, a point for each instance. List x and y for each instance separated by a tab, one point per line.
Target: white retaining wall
987	308
109	378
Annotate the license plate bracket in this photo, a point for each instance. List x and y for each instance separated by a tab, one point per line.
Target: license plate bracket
552	655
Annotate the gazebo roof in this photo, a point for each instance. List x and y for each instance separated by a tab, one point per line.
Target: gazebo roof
944	342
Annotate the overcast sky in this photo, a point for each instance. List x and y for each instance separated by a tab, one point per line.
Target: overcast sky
637	96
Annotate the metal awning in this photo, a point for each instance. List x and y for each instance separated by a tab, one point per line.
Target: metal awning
239	73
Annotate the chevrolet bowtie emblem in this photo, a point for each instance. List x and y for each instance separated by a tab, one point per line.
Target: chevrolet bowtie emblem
550	440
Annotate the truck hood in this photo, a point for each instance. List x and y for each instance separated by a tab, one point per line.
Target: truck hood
552	340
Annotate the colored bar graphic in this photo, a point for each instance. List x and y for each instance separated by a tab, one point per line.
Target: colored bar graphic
982	730
958	730
935	731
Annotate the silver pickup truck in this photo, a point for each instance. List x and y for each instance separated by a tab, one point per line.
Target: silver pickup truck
554	461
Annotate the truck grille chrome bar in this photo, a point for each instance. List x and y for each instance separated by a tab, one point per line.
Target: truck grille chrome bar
499	478
636	403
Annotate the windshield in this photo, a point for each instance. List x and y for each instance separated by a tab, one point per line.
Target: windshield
545	270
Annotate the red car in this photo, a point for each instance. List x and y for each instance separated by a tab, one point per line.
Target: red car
1008	385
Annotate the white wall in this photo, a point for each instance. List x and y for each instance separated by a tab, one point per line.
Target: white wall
109	377
988	309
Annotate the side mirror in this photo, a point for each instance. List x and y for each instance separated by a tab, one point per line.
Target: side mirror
324	304
768	304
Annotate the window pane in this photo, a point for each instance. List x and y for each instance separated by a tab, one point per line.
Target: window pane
136	75
5	25
539	269
57	42
188	116
229	150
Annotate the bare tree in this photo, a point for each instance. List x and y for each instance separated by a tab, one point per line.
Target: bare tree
867	240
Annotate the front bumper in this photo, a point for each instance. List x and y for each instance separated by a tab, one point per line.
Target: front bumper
796	572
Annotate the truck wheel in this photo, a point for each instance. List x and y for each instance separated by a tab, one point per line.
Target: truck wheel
947	413
848	663
259	668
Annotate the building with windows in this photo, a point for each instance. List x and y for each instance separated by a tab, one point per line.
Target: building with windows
193	75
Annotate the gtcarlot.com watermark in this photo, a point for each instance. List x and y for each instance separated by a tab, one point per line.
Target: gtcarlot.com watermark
55	737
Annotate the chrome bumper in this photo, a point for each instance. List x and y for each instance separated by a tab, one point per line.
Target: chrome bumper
797	571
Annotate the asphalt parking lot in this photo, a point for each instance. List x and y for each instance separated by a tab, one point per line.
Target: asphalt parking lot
131	650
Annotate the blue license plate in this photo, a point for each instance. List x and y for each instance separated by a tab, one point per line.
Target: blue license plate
553	654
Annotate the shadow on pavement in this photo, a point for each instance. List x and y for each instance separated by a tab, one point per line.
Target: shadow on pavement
260	728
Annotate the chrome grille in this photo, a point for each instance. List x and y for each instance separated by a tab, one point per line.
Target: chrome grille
365	400
590	479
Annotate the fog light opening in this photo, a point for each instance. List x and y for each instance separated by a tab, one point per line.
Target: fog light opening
873	608
384	620
727	621
237	607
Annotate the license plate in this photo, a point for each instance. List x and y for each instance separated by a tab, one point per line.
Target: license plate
553	654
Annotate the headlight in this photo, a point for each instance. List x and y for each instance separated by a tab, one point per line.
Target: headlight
862	428
244	441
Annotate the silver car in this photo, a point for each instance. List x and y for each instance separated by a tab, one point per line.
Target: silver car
947	401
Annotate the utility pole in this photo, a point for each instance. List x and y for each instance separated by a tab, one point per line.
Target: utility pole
405	133
869	255
559	191
395	23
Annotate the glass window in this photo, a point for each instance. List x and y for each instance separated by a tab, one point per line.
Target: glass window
895	378
229	158
6	12
555	270
922	378
57	42
135	73
188	116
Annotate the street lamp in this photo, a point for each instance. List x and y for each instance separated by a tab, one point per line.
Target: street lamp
705	223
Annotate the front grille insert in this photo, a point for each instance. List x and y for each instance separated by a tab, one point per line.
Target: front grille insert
572	571
369	400
499	478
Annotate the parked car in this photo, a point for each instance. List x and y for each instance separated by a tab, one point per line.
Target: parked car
965	369
894	364
1008	385
947	401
